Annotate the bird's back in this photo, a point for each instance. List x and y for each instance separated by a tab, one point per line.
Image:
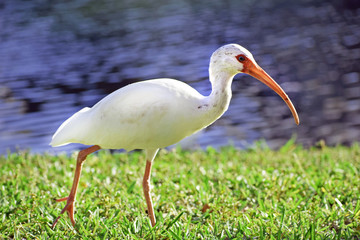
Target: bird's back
148	114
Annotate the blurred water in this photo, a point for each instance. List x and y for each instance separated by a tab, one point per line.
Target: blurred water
59	56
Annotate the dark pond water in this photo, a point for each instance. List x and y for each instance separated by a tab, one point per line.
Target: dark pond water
59	56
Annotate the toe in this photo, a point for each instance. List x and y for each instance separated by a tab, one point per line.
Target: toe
61	199
70	211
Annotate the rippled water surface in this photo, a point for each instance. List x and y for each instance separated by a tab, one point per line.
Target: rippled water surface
57	57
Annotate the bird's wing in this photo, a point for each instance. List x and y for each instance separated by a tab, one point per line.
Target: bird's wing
146	114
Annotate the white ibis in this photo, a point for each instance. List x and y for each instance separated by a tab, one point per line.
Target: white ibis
157	113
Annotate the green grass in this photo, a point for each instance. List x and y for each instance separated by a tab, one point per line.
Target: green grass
291	193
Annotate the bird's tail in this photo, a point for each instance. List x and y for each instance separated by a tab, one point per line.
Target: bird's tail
70	130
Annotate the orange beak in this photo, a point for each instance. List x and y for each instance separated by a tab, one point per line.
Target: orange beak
257	72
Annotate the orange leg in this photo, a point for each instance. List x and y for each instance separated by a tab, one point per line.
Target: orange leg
70	200
146	185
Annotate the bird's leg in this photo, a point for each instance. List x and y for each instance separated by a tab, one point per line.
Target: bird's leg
150	155
70	200
146	188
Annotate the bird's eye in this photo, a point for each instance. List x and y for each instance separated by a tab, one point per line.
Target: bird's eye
240	58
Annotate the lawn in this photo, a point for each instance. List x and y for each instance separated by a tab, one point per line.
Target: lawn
258	193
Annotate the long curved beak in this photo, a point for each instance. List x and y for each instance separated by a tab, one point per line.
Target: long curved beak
257	72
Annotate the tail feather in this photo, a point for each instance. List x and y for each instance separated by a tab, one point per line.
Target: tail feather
71	130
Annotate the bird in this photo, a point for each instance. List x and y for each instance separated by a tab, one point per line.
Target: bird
157	113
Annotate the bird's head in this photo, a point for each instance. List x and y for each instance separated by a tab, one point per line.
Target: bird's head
234	59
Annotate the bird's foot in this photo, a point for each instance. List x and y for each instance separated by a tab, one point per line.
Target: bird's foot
69	208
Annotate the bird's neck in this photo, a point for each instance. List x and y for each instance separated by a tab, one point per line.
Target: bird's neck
220	96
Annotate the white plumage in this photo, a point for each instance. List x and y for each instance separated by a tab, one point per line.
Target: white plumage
149	114
157	113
